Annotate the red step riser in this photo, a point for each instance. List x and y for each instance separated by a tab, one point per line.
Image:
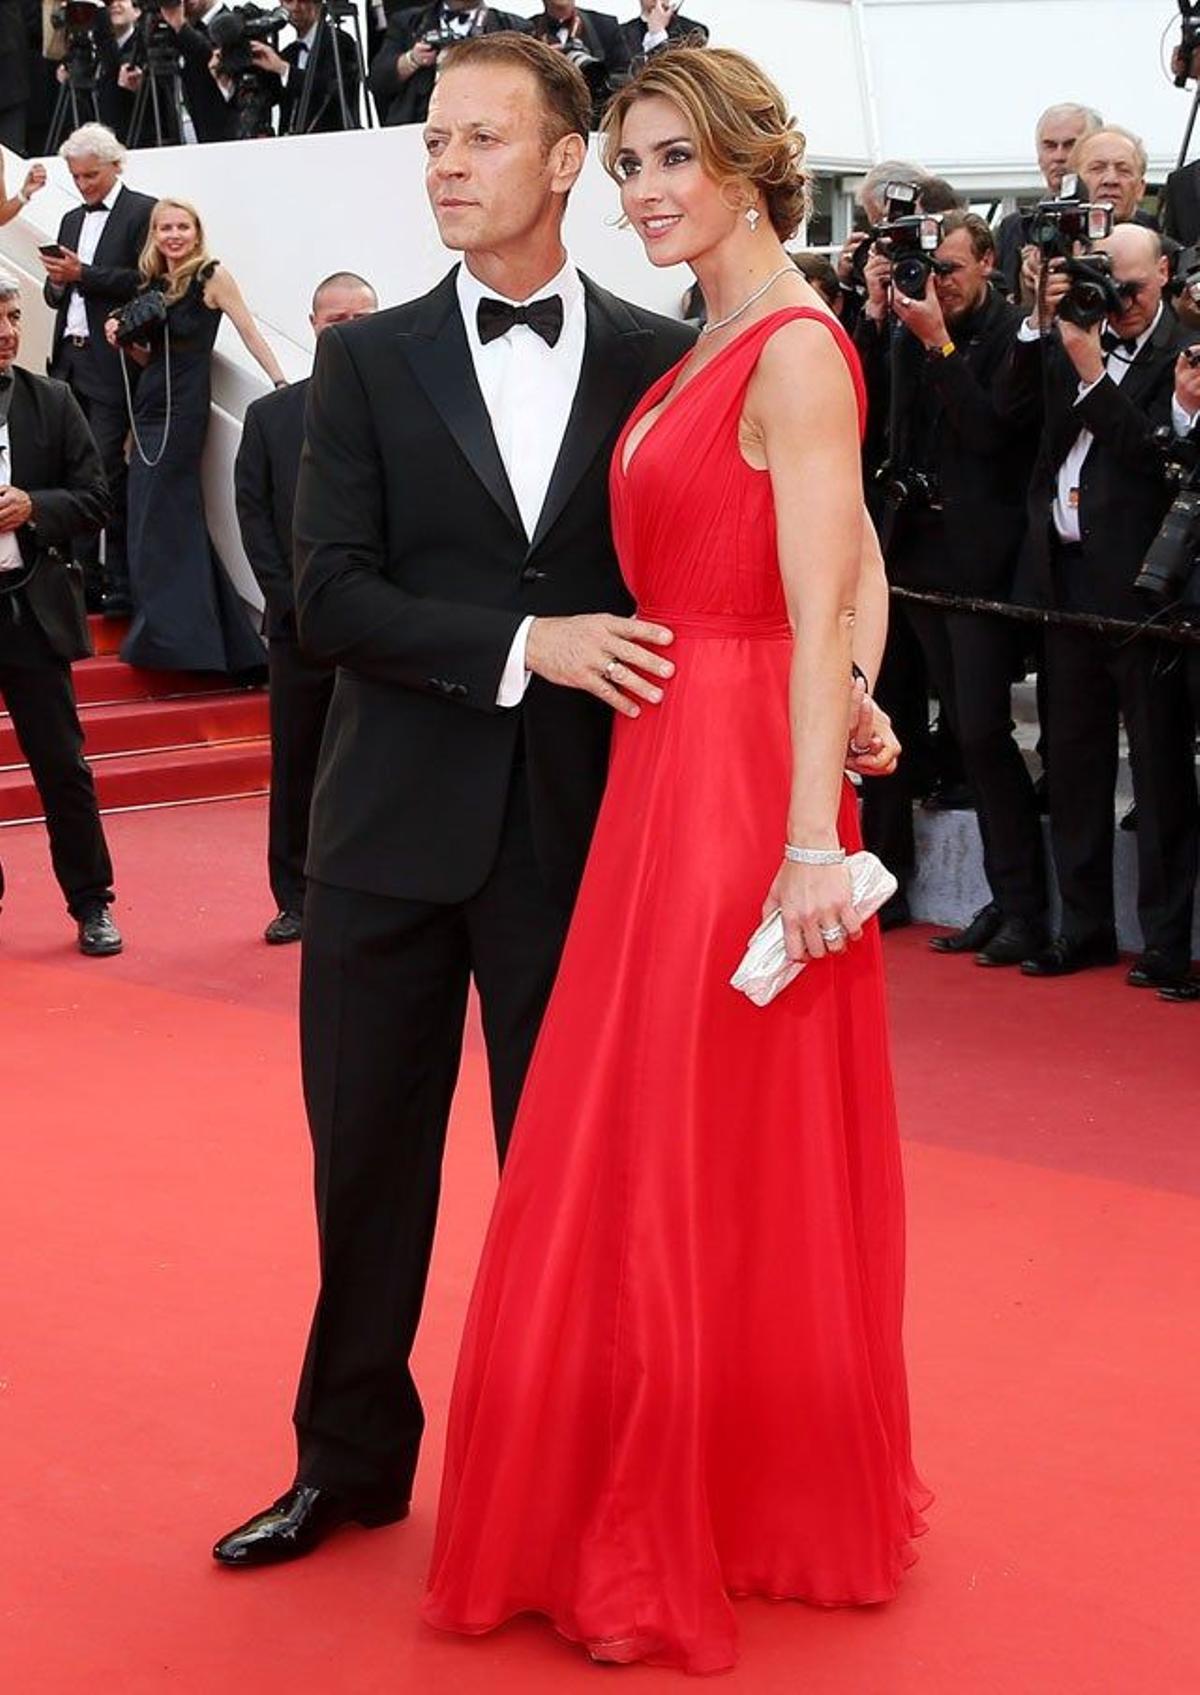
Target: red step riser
107	633
155	780
142	725
104	681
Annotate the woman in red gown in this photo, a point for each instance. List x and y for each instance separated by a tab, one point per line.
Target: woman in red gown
682	1377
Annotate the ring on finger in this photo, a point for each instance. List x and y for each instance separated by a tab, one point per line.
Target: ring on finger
860	752
835	933
610	669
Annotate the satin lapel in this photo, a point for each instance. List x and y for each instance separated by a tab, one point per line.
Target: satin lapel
114	226
613	375
1146	369
438	353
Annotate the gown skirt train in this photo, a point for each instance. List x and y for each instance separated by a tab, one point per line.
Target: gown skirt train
682	1377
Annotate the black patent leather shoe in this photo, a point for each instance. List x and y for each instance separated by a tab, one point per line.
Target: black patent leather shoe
1017	940
973	936
284	927
1063	957
1184	989
299	1521
1151	971
98	935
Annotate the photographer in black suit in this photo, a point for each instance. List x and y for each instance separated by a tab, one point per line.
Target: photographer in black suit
659	25
455	561
954	521
95	270
1058	131
118	44
51	491
211	114
1097	499
593	40
268	464
405	67
318	72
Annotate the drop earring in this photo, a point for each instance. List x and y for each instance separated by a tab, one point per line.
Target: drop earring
752	216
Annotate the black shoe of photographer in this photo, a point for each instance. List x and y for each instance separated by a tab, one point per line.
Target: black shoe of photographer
1183	989
895	914
972	936
1129	821
1153	970
1017	940
300	1521
1063	957
98	935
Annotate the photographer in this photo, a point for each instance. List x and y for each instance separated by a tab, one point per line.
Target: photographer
119	45
658	26
20	27
210	114
268	465
1097	498
405	67
1059	129
51	492
871	201
953	522
593	41
90	269
318	72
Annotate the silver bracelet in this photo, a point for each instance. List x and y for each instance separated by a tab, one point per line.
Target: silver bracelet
814	856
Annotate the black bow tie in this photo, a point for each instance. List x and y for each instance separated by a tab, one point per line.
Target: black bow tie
544	317
102	207
1110	341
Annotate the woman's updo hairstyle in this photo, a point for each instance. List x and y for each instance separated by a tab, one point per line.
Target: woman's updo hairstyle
740	119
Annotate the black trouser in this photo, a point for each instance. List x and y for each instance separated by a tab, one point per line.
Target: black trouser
972	661
1092	681
108	420
37	690
301	689
12	129
902	690
382	1006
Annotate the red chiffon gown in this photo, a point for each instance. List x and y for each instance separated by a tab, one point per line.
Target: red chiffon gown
682	1376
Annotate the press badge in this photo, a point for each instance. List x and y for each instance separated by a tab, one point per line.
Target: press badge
1073	500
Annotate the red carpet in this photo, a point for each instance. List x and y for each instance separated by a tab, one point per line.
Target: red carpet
156	1269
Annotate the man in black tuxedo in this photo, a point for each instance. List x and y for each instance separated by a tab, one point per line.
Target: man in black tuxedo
593	40
455	561
405	68
211	114
268	464
1058	131
118	46
658	25
955	519
1097	498
51	491
314	98
94	272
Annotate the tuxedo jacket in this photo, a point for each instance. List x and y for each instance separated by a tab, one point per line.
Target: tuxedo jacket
214	117
109	281
324	112
602	37
1123	494
55	461
679	30
265	475
956	418
1180	209
413	575
408	102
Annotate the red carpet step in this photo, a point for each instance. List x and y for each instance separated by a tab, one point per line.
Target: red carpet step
154	738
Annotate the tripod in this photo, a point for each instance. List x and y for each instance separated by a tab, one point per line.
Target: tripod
77	102
304	120
159	101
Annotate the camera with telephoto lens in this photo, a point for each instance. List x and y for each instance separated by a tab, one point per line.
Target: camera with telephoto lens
235	32
1170	573
141	318
442	36
916	490
77	19
1056	228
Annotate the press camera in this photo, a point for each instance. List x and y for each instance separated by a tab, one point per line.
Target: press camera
1170	573
1057	228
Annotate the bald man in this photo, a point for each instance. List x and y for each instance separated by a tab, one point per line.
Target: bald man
1097	500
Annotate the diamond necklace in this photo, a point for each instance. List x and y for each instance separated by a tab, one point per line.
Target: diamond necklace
785	270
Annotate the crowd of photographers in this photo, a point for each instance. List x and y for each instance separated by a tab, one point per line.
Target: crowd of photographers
1033	394
158	72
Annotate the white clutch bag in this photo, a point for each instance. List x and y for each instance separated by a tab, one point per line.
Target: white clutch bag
766	970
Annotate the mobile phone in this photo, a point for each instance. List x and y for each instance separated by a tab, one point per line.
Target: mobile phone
52	250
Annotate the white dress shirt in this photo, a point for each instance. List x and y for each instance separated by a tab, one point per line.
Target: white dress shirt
89	240
1116	364
529	390
10	553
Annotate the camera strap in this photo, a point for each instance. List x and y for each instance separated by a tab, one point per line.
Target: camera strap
133	429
